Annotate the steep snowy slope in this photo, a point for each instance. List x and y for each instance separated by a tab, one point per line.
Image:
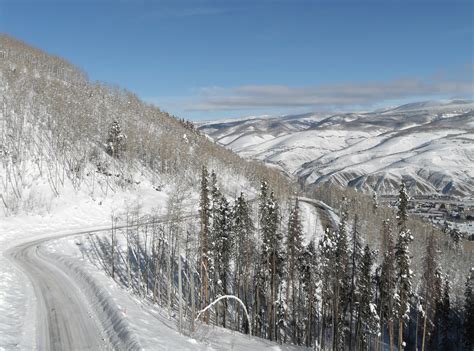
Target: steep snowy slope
62	169
428	144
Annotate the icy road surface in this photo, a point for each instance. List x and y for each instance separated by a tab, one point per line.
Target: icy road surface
66	320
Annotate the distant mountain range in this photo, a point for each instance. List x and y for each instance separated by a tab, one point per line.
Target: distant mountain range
430	145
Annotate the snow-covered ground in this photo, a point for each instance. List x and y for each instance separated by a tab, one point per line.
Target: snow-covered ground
73	213
70	213
152	325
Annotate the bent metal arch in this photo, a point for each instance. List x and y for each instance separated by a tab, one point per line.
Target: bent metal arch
228	297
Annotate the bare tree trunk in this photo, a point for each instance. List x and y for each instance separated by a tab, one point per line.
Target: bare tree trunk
193	304
129	272
400	334
113	247
180	291
138	259
157	269
390	334
321	328
145	291
416	331
424	333
170	283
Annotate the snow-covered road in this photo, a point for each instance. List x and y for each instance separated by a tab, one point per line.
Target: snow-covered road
51	297
66	320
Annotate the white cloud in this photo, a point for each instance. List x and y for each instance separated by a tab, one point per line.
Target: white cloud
326	96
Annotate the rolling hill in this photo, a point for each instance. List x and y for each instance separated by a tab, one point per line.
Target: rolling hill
427	144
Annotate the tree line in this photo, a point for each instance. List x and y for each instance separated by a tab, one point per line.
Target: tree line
332	293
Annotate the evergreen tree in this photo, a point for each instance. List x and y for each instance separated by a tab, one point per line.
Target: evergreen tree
431	287
402	214
375	202
327	249
444	317
308	288
115	145
244	252
272	256
356	253
404	273
469	313
456	236
204	214
223	250
387	282
261	275
404	277
367	318
437	296
341	283
262	202
294	250
214	236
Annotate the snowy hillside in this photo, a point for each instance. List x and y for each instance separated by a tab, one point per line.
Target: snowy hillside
428	144
73	155
123	227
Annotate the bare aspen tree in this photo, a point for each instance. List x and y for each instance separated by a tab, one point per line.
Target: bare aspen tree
145	288
113	234
127	233
180	289
170	283
193	303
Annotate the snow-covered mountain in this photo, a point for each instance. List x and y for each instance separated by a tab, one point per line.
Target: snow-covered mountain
77	157
428	144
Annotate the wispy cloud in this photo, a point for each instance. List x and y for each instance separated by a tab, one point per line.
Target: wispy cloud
326	96
188	12
183	9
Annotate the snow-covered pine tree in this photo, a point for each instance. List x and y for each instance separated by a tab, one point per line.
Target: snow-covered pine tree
214	232
244	251
456	236
260	279
223	251
445	317
367	318
294	247
327	249
387	282
281	311
356	254
272	257
204	214
402	213
469	313
308	287
115	145
437	301
341	282
375	202
404	273
430	288
262	202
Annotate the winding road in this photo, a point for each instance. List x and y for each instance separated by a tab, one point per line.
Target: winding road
65	318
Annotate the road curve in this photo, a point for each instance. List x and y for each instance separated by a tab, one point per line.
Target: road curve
65	319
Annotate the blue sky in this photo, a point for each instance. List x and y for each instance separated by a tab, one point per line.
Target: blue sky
209	59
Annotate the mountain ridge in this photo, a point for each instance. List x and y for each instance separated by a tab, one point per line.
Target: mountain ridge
427	144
